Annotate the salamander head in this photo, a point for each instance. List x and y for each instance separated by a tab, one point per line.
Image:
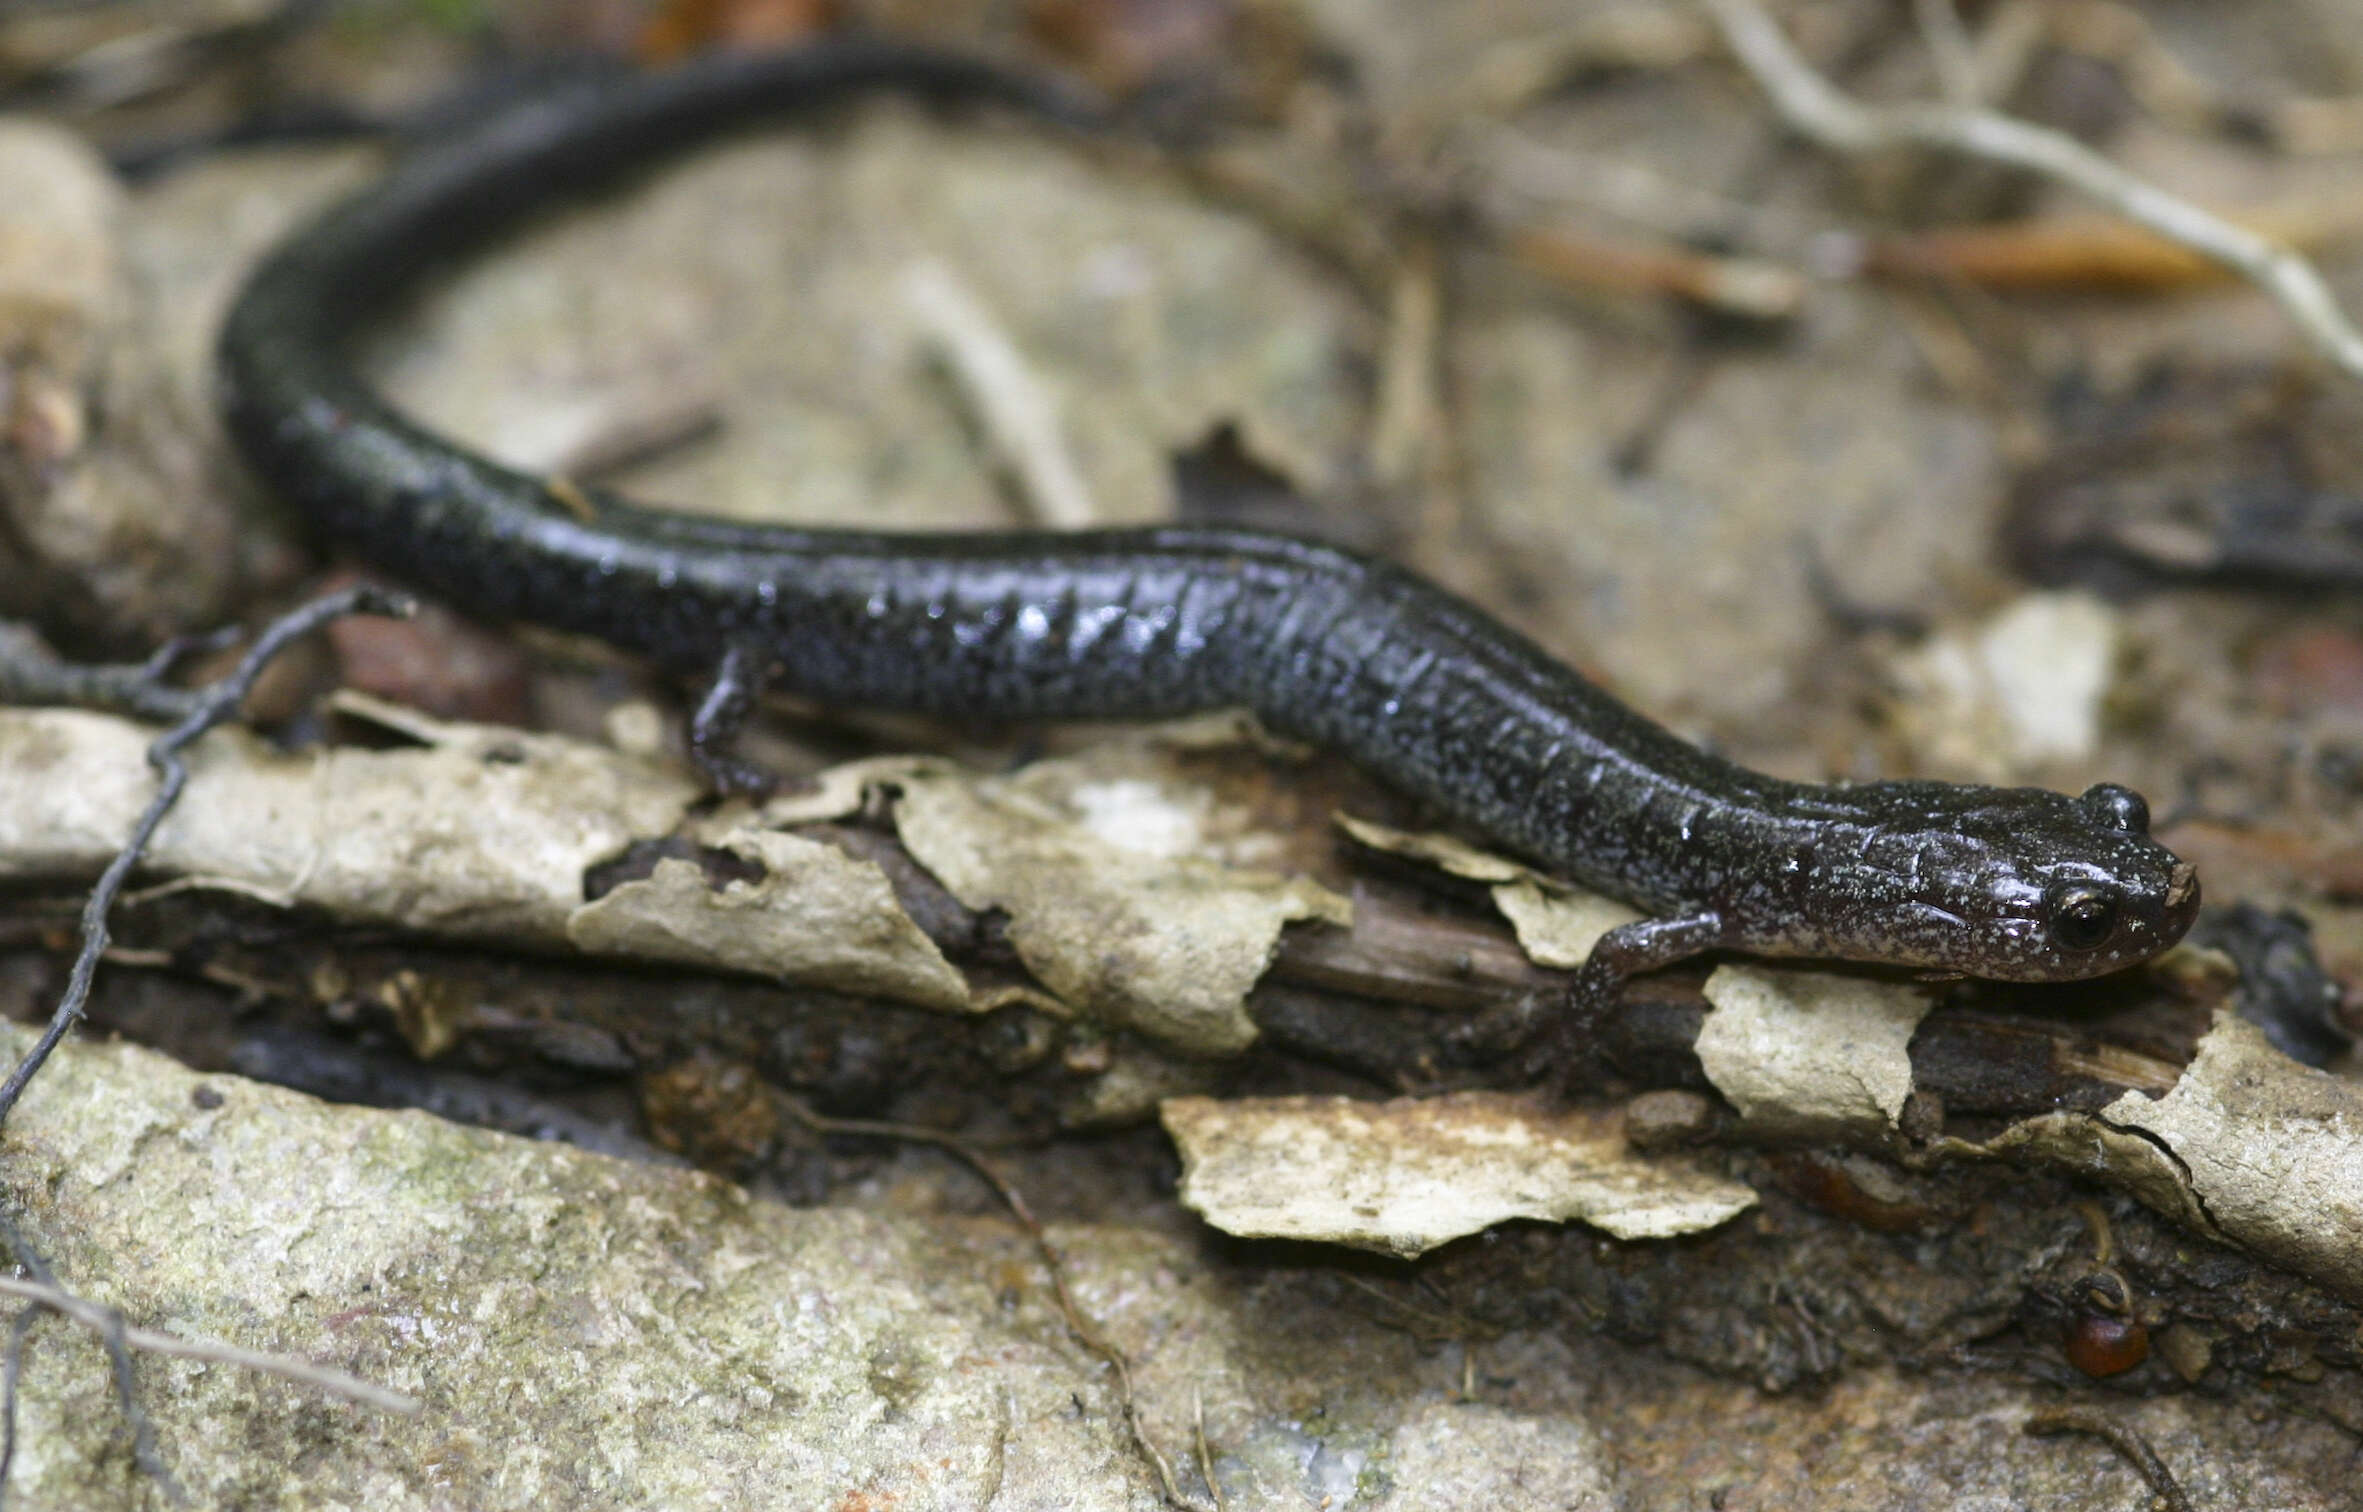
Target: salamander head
2031	885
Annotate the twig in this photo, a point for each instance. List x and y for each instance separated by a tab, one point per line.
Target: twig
639	429
46	1294
1953	51
143	1434
20	1328
204	709
1815	109
1079	1325
1404	416
1742	287
154	60
2012	40
2096	251
111	1327
31	673
26	1255
108	1322
1017	415
2127	1441
1214	1487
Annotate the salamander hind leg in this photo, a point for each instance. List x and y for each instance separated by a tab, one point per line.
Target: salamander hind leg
1568	1040
715	724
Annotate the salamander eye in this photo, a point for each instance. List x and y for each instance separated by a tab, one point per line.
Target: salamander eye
2081	916
2120	808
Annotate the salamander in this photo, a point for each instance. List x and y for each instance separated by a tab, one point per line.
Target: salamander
1419	687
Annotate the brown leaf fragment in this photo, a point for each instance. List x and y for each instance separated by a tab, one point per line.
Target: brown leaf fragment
1853	1187
1748	288
680	28
1248	54
2098	251
2085	252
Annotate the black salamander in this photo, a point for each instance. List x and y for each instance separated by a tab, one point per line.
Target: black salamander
1417	686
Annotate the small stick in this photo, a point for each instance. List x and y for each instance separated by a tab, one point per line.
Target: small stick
111	1327
107	1322
1743	287
653	426
1818	111
1955	54
1523	168
31	673
1016	413
2127	1441
143	1435
20	1328
1222	1503
1404	412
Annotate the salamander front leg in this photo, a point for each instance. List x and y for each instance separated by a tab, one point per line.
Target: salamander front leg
1570	1037
715	725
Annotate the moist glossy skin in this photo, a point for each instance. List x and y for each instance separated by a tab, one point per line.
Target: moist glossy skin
1416	685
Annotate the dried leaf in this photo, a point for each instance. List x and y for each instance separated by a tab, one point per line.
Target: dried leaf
484	835
1557	923
1112	904
1402	1177
817	916
2270	1149
1810	1054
